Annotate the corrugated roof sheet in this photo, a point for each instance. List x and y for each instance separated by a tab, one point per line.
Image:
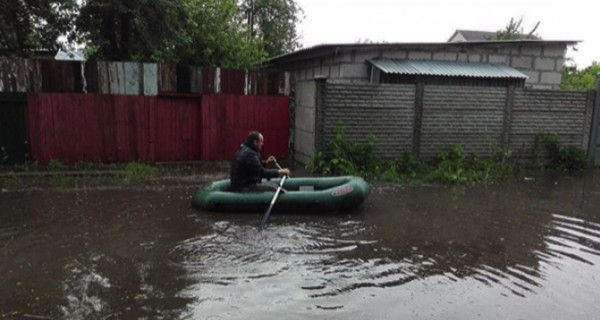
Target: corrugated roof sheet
446	68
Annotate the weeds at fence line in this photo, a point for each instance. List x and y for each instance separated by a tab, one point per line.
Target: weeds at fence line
561	157
55	165
136	172
452	166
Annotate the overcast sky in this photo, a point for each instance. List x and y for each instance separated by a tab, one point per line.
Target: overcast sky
347	21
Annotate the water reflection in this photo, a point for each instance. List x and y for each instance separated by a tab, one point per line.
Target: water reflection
522	249
508	241
92	255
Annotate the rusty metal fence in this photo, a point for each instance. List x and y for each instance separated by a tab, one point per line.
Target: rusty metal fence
135	78
94	111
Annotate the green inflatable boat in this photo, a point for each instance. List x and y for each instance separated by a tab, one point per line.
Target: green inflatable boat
327	194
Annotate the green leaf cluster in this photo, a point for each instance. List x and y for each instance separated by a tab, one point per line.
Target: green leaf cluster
26	26
573	79
271	22
224	33
453	166
347	157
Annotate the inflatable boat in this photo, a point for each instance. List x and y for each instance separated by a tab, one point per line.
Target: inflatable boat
325	194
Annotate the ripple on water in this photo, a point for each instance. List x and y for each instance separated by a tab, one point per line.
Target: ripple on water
326	262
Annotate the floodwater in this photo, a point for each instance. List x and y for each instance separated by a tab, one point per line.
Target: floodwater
523	249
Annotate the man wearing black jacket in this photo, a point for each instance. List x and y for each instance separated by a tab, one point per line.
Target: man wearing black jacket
247	168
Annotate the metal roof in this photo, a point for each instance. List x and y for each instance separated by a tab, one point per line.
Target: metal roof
446	68
324	49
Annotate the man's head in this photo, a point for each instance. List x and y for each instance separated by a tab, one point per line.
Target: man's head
255	140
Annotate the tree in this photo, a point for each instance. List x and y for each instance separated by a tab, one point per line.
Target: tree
213	36
514	31
28	25
573	79
202	32
139	30
273	22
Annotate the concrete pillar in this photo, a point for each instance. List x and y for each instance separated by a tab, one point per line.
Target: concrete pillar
510	96
594	149
418	118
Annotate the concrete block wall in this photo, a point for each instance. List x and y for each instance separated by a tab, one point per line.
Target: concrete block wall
565	113
474	117
470	116
542	63
386	111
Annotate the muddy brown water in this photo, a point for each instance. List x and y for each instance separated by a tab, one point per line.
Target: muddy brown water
522	249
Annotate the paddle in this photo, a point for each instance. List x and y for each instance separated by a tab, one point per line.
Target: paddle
264	219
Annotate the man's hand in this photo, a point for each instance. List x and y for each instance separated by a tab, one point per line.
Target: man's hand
284	172
271	159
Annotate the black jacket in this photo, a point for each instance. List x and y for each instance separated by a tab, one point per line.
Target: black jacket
247	169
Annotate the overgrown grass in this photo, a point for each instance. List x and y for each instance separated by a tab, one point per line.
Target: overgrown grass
562	158
137	172
451	166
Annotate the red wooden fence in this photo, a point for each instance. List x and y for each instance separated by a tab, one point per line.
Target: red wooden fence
227	119
121	128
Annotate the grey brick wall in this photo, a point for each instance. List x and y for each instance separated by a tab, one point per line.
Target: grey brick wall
542	63
471	116
564	113
386	111
474	117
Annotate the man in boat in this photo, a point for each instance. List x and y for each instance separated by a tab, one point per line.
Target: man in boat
248	169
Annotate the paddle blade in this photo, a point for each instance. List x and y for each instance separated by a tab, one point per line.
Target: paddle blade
265	217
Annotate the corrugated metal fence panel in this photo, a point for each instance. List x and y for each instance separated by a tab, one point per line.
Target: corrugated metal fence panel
168	78
178	134
227	119
116	78
122	128
195	79
61	76
233	81
209	79
134	78
150	79
13	144
20	75
88	128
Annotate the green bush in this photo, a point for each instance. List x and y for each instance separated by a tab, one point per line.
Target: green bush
407	168
450	166
347	157
55	165
455	167
563	158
